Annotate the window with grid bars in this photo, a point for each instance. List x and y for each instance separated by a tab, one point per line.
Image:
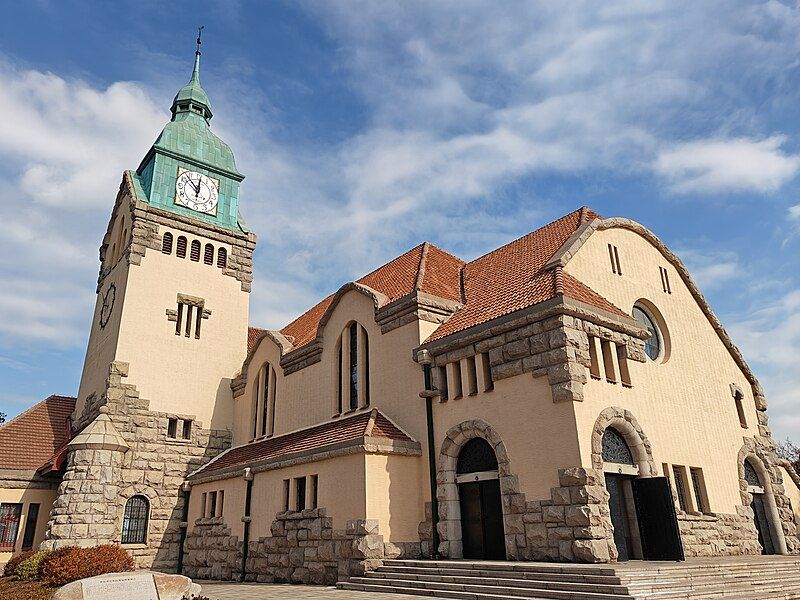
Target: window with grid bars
134	520
10	514
222	258
180	248
208	255
195	253
166	243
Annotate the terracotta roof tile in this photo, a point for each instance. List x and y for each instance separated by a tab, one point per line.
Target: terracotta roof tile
29	440
253	333
342	430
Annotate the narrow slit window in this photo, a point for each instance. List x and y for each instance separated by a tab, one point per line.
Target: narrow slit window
172	428
314	495
195	253
166	243
285	495
220	502
441	376
179	319
189	308
265	384
273	398
300	493
472	376
455	369
187	429
222	258
180	248
208	255
608	361
488	382
212	500
366	369
624	373
30	526
203	503
339	399
611	256
594	359
737	398
698	484
353	366
680	487
616	259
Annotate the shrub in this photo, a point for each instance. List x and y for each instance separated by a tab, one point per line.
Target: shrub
71	563
11	565
29	569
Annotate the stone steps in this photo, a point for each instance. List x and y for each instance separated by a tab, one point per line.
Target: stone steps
742	578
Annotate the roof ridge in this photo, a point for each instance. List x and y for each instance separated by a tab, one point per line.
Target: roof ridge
423	259
30	409
375	270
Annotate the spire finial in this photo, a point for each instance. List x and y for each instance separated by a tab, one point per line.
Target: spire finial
196	70
199	36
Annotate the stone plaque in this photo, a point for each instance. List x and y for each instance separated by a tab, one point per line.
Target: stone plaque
120	587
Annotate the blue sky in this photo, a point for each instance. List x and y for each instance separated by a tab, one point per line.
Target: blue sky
365	128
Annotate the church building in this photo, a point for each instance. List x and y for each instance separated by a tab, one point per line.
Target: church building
570	396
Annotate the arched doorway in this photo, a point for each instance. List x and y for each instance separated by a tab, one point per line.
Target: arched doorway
481	506
620	470
761	508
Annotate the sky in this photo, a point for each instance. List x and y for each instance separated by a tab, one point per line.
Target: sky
364	128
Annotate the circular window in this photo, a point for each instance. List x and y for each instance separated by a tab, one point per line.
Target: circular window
652	345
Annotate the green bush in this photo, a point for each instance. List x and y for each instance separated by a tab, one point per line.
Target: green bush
11	565
28	569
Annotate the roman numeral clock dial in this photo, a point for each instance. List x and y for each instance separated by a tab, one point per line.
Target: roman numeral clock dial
197	192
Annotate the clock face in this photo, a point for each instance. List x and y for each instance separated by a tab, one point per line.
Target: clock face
196	191
108	305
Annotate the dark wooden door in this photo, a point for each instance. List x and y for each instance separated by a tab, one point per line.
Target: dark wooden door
619	516
762	525
482	531
658	523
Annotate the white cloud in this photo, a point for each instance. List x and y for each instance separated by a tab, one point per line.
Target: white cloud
719	165
711	269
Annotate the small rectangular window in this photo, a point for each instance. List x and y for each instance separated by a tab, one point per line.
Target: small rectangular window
441	384
30	526
314	491
472	376
698	484
187	429
10	514
455	380
220	502
203	503
624	373
488	382
285	495
172	428
212	498
300	493
179	319
680	487
594	360
608	361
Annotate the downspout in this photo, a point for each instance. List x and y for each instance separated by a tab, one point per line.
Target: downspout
187	492
429	393
248	477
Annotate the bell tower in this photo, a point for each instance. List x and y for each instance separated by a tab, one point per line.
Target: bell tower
169	332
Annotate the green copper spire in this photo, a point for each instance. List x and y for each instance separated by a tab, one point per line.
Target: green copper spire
192	96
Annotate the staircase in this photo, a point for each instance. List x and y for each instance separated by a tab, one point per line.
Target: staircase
755	578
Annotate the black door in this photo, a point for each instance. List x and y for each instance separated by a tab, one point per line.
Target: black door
482	520
619	516
658	524
762	525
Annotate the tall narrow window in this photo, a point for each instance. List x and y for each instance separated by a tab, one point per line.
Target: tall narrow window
622	360
314	493
208	255
455	380
222	258
594	360
472	376
339	403
441	383
611	256
353	366
608	361
166	243
665	280
220	502
737	398
30	526
366	370
680	487
488	382
203	504
285	495
134	520
698	484
172	428
10	515
300	495
189	315
266	376
180	248
195	254
187	429
212	500
256	405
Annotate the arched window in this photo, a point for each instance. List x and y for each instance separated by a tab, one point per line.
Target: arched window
264	401
222	258
195	253
615	448
751	475
477	456
180	248
134	521
353	359
166	243
652	345
208	255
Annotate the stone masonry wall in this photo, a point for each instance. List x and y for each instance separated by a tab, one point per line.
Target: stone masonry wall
98	482
719	534
303	548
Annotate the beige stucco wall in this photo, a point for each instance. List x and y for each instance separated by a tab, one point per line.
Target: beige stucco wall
539	435
685	404
793	493
341	491
397	489
26	497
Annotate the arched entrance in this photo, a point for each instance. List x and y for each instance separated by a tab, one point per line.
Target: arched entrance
620	470
481	506
761	506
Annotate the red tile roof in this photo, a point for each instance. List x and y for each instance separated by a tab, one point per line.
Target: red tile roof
253	333
505	280
342	430
31	439
513	277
